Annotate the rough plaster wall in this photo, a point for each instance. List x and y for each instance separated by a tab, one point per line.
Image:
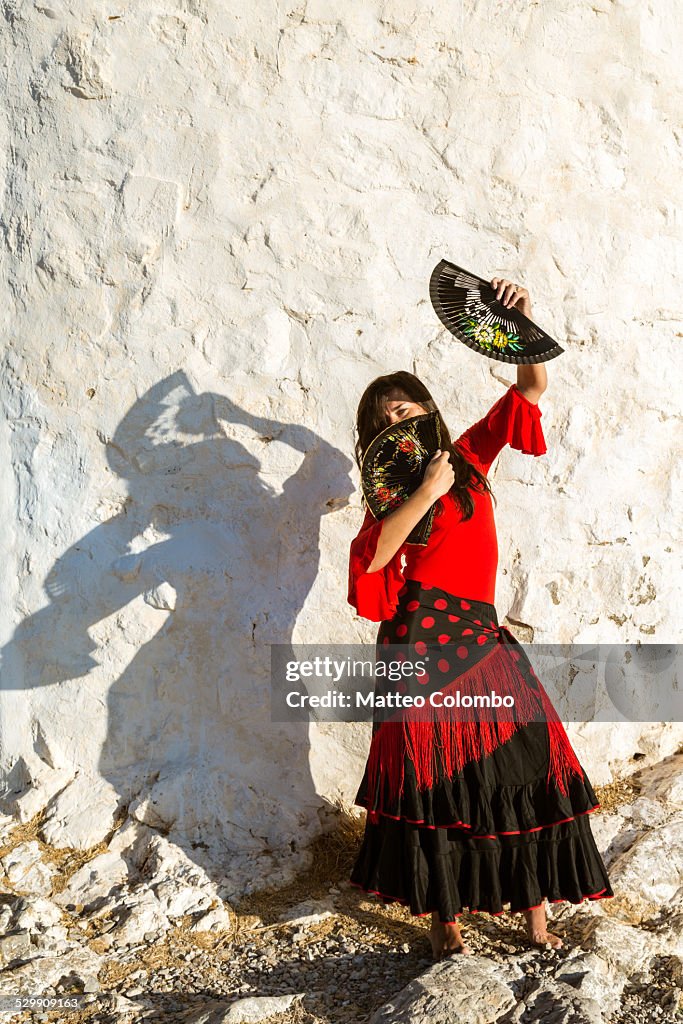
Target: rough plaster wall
218	225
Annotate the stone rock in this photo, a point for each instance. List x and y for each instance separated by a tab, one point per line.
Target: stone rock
38	781
166	860
111	906
123	1006
216	919
138	916
25	869
181	886
132	841
583	990
649	813
663	782
308	912
53	940
160	807
470	988
93	881
592	977
554	1002
82	814
19	859
80	965
29	939
37	879
624	946
177	899
36	915
250	1010
257	1008
15	946
612	833
650	872
612	750
8	822
667	930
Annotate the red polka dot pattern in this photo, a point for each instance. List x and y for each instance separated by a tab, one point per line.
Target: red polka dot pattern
425	623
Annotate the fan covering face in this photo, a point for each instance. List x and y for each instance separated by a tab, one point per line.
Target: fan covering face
394	465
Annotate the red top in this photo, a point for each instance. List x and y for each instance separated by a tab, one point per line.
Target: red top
460	557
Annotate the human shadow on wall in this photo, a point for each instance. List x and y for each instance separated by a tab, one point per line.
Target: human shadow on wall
224	564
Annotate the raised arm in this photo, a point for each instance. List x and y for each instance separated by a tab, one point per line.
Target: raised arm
514	420
532	380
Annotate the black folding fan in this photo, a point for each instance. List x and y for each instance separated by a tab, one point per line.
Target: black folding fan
467	306
394	465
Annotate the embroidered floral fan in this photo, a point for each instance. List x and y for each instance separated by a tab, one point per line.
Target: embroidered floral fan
467	306
394	465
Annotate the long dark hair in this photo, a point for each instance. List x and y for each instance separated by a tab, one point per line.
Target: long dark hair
371	419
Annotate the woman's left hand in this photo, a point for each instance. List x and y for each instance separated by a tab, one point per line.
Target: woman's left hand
511	294
532	379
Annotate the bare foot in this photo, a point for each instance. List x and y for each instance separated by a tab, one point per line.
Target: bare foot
537	928
446	939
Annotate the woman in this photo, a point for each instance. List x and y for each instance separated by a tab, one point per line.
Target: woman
486	813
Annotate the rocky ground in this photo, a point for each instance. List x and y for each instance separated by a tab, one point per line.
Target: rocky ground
137	931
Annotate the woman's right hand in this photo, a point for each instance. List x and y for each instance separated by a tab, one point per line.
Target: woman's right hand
439	476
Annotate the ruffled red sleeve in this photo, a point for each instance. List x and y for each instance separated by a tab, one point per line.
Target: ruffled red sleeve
513	420
374	595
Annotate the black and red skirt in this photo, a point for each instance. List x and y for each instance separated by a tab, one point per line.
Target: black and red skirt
472	810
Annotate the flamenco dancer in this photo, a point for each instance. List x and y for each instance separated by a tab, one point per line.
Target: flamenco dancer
464	814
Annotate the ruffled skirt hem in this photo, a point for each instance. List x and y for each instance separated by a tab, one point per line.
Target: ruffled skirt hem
448	871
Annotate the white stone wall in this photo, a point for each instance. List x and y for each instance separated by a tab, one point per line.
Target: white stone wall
218	225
